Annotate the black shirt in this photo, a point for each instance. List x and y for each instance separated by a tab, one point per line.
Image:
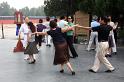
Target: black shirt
57	35
103	32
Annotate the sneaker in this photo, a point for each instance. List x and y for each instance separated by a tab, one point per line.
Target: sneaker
26	58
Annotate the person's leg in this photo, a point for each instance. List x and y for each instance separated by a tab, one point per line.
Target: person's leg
90	41
62	68
102	58
25	45
46	40
40	40
114	49
70	68
71	47
96	41
49	40
97	62
32	60
115	35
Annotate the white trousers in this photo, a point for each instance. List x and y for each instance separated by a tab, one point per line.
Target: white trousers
25	41
48	39
93	35
114	49
100	57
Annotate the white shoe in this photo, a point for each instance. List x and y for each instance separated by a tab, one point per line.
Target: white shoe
26	58
88	49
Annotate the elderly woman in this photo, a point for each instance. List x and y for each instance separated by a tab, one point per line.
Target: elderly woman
61	48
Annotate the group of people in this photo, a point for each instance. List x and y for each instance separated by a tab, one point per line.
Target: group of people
112	38
62	36
102	29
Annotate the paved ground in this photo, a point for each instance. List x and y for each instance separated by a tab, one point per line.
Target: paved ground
14	69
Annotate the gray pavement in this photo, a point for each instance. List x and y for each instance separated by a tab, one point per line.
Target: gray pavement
13	68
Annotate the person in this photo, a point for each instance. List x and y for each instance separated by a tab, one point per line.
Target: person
112	43
69	38
62	23
103	34
39	28
31	47
94	34
17	29
24	29
47	37
61	49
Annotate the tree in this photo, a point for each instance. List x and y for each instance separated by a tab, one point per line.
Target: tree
5	9
60	7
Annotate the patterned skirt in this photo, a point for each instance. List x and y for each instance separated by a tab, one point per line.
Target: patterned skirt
61	53
31	48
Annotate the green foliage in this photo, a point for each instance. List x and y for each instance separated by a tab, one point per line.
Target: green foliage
60	7
102	7
33	11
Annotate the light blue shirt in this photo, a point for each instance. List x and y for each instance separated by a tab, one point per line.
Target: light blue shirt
62	23
95	24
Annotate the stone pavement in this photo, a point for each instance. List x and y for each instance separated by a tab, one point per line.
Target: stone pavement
13	68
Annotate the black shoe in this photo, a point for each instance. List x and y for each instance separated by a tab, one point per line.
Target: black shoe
109	55
109	71
49	45
115	53
90	70
62	71
73	73
106	55
76	55
32	62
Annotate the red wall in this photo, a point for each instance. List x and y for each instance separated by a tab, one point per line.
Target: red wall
12	21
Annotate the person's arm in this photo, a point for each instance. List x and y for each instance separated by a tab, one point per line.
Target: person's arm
41	33
87	28
115	25
28	37
20	30
67	28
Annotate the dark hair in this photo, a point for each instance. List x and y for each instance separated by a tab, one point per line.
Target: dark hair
53	24
32	27
47	18
62	17
40	21
55	20
105	19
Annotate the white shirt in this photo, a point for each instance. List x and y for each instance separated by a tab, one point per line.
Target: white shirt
24	28
47	25
62	23
113	26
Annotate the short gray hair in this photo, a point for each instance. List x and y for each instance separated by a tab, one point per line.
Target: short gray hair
94	17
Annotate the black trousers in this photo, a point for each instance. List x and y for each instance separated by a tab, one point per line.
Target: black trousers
38	39
69	40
